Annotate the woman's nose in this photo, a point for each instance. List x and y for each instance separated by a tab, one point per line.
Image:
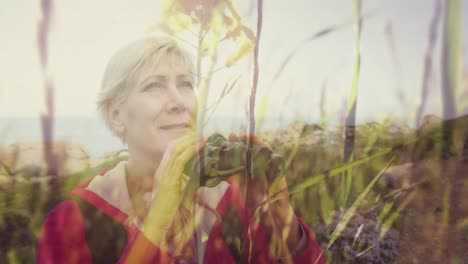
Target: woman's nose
176	101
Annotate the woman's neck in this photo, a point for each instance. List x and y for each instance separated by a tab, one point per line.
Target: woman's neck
140	172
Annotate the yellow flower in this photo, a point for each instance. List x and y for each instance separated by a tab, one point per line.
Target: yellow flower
245	48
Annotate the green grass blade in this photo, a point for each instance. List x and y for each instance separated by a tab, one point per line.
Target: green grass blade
385	210
262	111
292	154
357	57
348	182
451	62
327	204
451	57
387	224
352	103
351	111
351	211
342	168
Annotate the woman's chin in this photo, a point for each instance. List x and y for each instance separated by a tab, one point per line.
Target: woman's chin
172	134
176	132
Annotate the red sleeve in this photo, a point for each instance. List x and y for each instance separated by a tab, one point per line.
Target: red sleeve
63	240
312	253
63	236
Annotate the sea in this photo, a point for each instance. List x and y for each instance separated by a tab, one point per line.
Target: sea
93	134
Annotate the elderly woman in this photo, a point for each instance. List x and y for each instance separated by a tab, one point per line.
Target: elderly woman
132	213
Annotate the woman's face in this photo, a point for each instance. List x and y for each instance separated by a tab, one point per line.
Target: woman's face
161	106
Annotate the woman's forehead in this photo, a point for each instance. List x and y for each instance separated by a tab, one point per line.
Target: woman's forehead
170	64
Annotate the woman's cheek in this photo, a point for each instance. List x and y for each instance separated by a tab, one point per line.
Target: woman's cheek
194	104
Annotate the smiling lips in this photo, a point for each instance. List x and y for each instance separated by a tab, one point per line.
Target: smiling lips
175	126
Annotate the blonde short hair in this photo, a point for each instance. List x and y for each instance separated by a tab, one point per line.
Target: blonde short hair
126	65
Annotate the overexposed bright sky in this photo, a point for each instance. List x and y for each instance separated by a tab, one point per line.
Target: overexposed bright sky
85	33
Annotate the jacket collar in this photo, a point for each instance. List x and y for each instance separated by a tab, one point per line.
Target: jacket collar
108	192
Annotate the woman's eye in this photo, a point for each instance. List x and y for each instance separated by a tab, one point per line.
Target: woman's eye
186	84
153	86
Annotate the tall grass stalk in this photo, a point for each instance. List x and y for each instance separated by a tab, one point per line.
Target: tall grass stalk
451	57
253	93
432	40
203	90
451	68
47	119
323	114
350	123
396	64
352	103
348	183
451	63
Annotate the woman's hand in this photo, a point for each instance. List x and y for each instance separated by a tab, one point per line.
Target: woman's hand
270	206
167	188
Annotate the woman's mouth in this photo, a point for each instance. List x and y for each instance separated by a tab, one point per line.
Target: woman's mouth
178	126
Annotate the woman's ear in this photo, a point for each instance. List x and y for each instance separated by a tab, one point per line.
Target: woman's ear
115	119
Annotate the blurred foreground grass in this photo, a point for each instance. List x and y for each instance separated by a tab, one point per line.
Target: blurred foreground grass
390	215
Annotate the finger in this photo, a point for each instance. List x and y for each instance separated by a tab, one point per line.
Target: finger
169	156
187	154
173	172
192	145
177	146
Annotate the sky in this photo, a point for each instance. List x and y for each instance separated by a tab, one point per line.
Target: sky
84	34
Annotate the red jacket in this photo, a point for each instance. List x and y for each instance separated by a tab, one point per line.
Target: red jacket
63	236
